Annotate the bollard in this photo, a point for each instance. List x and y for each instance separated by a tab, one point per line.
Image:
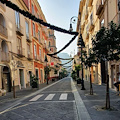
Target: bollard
13	89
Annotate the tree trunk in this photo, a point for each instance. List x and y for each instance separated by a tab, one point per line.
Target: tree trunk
107	94
91	88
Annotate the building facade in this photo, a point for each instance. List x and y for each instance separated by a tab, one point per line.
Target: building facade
23	45
92	16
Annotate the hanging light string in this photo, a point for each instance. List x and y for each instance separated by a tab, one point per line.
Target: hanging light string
64	46
61	58
66	66
64	63
32	17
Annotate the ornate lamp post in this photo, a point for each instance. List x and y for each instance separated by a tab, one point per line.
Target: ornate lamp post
81	45
72	20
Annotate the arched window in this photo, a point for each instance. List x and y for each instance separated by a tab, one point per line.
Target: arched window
4	46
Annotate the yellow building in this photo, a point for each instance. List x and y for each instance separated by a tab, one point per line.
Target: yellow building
93	14
16	65
23	45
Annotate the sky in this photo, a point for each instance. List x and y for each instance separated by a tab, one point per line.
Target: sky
59	13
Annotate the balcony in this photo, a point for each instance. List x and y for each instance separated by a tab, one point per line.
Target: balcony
19	30
99	7
35	35
20	51
28	37
3	31
90	3
30	56
2	6
37	57
5	57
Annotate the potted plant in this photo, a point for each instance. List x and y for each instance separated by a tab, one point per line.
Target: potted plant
34	81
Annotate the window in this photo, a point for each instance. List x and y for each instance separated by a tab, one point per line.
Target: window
35	54
32	9
19	46
40	52
33	29
17	19
28	49
39	35
27	29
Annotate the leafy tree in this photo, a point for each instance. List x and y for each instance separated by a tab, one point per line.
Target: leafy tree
47	69
90	59
106	47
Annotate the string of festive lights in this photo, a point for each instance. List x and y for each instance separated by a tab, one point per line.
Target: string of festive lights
32	17
61	58
64	46
64	63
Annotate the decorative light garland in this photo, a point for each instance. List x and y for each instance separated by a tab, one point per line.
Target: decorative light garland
61	58
64	63
64	46
32	17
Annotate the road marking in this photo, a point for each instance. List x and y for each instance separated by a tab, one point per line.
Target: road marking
49	97
81	109
36	98
9	109
63	96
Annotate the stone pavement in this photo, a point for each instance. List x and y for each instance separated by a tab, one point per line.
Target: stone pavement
95	103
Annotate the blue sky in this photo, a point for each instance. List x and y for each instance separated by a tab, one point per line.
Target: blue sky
59	12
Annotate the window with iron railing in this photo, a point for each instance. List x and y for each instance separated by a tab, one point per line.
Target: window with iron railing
17	19
32	9
27	29
39	35
33	29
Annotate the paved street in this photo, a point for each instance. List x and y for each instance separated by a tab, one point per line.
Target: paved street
56	102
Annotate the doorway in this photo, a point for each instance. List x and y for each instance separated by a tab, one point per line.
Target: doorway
21	76
6	79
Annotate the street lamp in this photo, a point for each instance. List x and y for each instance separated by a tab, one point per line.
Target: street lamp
81	45
72	20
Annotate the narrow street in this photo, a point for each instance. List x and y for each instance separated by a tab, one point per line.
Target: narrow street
55	102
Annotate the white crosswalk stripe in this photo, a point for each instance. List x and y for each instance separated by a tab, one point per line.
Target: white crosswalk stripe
36	98
49	97
63	96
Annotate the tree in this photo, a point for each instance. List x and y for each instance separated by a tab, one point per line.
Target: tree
106	47
90	59
47	69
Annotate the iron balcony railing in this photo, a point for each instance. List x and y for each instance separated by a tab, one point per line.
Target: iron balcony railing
19	29
28	37
30	55
20	51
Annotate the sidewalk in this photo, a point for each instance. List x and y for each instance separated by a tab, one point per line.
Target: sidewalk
8	98
94	103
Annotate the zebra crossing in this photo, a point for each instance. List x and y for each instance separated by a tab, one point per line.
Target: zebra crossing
49	97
